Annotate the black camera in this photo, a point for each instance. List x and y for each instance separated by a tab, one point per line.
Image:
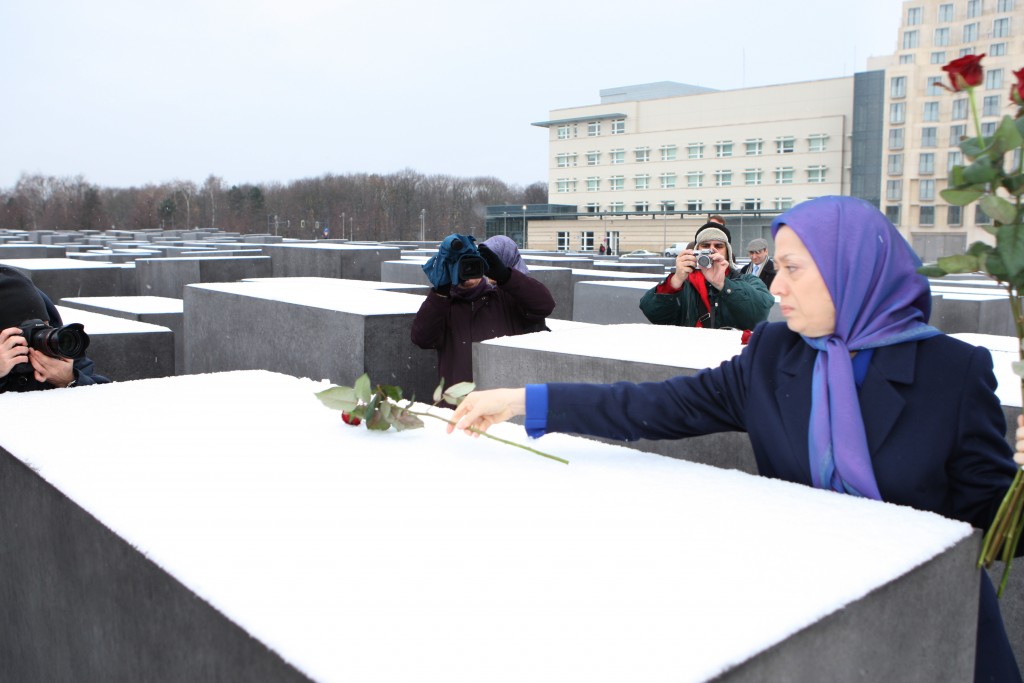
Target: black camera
69	341
471	267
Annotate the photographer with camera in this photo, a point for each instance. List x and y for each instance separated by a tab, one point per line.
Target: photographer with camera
706	290
37	351
475	297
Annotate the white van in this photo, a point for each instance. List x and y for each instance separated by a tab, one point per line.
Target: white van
674	249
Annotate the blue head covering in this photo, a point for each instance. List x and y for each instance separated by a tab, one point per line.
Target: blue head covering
880	300
443	267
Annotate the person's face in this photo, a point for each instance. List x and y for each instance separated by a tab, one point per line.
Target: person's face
470	283
719	247
804	298
758	257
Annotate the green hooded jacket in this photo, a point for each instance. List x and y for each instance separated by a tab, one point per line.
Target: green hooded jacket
742	303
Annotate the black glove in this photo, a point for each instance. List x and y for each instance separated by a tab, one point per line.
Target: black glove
496	270
444	290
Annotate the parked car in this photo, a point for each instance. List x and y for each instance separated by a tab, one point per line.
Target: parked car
674	249
640	253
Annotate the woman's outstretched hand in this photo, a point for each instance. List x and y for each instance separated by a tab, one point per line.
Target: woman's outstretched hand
481	409
1019	455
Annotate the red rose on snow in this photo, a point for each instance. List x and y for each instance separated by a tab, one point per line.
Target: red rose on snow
350	420
1017	91
965	72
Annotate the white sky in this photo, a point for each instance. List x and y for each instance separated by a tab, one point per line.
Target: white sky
130	93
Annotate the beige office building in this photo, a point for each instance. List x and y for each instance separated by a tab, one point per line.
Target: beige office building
647	165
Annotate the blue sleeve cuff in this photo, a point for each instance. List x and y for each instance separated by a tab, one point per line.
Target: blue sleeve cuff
536	410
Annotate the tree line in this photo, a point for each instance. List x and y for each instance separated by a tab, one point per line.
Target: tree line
372	206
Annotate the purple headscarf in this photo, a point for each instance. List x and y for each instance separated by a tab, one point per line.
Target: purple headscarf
880	299
508	252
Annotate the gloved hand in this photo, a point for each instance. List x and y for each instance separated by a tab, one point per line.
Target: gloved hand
496	270
444	290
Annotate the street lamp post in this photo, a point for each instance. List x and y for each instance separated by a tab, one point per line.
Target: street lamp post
664	228
423	224
524	226
342	225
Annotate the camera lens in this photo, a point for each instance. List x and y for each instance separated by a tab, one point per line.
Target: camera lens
69	341
456	245
704	261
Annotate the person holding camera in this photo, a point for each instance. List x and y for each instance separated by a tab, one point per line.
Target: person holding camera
706	290
475	297
36	350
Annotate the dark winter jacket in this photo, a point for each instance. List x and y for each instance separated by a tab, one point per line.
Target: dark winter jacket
743	303
451	325
767	273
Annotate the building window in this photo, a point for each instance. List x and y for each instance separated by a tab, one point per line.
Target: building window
752	176
997	49
941	37
895	138
946	12
642	182
668	152
723	178
894	190
565	185
955	158
910	40
617	207
927	215
913	16
897	112
617	156
994	79
816	174
562	241
990	106
587	241
694	179
926	163
980	217
929	136
895	166
593	129
616	183
966	51
783	203
970	33
939	57
642	207
954	215
907	59
973	8
817	142
593	158
988	129
723	205
957	133
694	205
785	145
593	207
898	87
1001	28
784	175
934	86
752	204
959	109
931	111
618	126
893	214
926	190
1004	5
723	149
754	147
668	181
668	205
643	154
695	150
593	184
566	131
566	160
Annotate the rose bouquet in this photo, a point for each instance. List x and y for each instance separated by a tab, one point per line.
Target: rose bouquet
994	179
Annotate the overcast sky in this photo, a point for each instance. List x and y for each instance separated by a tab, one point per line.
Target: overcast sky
130	93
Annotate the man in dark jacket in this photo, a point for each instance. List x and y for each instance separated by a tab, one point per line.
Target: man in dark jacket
710	294
24	367
475	297
760	264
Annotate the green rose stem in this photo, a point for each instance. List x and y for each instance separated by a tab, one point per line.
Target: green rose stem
489	436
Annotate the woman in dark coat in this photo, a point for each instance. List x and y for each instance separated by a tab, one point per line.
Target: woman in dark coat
503	303
854	393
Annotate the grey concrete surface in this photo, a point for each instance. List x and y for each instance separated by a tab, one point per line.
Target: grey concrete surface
609	302
167	277
63	277
320	259
125	349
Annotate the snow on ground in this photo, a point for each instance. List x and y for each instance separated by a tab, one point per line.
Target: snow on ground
372	556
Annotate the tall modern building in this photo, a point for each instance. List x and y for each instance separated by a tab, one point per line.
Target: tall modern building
647	165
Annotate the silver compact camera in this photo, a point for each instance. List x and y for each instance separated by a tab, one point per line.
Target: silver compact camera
704	257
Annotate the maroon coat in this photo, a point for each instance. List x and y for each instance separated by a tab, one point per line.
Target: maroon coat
452	325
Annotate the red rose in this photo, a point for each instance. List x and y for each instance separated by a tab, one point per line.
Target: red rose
350	420
1017	91
965	72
